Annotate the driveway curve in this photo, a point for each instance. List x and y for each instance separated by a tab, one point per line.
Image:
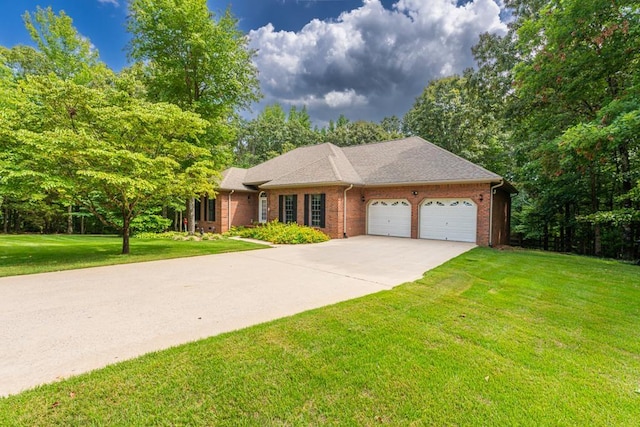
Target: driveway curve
55	325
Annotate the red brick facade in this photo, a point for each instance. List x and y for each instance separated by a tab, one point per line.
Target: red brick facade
244	211
244	207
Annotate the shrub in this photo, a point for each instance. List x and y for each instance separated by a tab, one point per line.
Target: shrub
149	224
276	232
178	235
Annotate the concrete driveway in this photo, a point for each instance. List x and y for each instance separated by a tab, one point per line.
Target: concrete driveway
55	325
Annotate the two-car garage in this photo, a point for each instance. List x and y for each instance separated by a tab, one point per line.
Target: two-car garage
438	219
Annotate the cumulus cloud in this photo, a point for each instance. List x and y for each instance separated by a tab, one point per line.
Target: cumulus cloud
371	61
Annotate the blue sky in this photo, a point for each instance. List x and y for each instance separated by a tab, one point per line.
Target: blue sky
366	59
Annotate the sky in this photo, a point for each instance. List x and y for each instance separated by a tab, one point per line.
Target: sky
366	59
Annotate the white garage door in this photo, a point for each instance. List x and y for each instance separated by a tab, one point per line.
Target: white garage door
389	217
448	219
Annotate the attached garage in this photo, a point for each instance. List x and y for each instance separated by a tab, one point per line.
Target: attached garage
448	219
389	217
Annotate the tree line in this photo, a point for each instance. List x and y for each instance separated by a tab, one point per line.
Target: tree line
553	105
119	150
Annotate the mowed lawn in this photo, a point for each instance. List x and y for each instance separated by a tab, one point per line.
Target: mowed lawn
27	254
490	338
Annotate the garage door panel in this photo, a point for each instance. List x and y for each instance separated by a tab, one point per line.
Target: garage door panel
389	217
448	219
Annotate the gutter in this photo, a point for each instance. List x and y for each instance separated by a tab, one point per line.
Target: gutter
492	191
229	210
344	229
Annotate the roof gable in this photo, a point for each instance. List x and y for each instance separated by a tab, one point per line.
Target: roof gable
412	160
405	161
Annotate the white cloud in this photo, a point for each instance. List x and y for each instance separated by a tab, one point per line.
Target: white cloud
371	60
346	98
113	2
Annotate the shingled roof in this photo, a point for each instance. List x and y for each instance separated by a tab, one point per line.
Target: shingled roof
404	161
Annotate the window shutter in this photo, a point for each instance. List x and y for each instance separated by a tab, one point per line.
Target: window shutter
322	209
306	210
295	208
281	208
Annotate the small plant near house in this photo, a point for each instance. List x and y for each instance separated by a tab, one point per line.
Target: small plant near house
279	233
178	235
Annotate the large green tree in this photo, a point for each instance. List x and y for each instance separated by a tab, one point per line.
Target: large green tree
110	152
272	133
195	61
450	114
75	133
576	100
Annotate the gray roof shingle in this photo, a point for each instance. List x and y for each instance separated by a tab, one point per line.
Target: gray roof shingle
233	179
405	161
412	160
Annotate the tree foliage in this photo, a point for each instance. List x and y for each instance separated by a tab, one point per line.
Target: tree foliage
74	134
196	62
450	114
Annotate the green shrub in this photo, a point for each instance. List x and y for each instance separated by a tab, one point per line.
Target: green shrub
149	223
178	235
276	232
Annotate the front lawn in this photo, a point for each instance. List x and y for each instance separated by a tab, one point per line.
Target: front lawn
27	254
490	338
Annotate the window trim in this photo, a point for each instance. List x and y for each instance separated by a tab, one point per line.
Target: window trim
282	211
309	211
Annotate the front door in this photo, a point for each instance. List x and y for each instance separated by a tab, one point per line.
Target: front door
262	208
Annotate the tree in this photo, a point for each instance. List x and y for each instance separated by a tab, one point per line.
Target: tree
580	65
112	153
272	133
195	62
449	114
63	51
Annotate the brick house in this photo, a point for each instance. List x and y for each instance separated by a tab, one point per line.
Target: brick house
404	188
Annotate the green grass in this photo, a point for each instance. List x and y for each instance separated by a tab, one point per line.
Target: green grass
28	254
490	338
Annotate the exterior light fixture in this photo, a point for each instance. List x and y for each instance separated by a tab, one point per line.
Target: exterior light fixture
481	196
415	193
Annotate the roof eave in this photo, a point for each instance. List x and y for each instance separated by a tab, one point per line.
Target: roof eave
245	189
495	180
308	184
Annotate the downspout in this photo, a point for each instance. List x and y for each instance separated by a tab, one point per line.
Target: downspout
492	190
229	210
344	229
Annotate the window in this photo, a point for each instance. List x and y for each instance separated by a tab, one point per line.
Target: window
211	209
314	210
288	208
262	207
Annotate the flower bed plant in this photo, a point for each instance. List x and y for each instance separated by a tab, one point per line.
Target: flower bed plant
279	233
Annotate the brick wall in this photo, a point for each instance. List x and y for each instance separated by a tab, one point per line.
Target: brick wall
467	191
244	211
244	207
333	206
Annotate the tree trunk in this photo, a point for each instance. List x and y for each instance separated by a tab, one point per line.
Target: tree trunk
69	219
627	185
5	220
191	215
568	243
16	221
125	236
